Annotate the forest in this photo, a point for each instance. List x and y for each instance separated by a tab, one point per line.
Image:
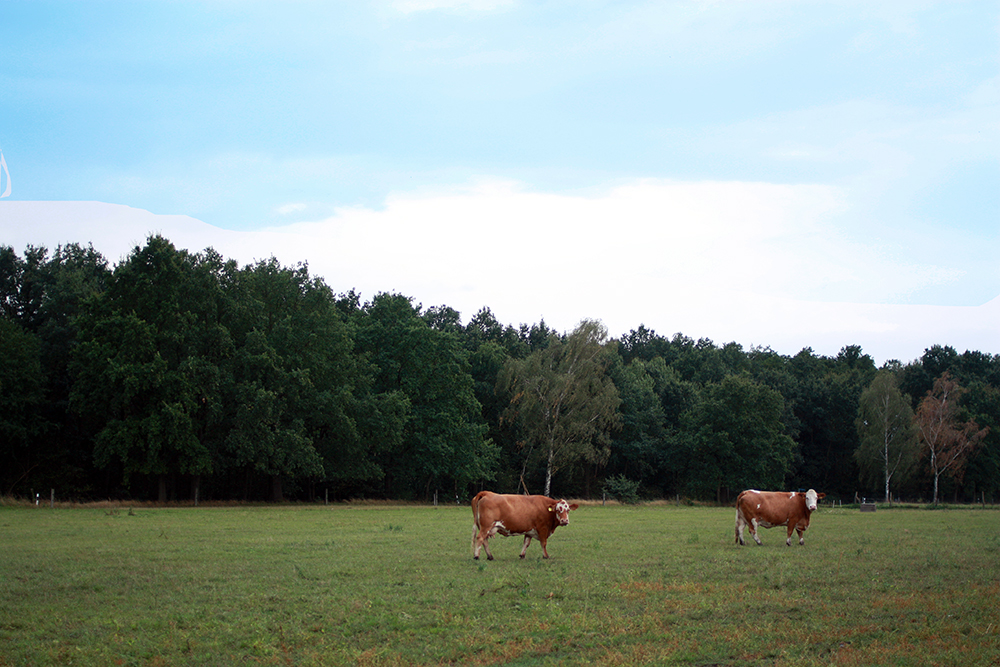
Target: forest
181	376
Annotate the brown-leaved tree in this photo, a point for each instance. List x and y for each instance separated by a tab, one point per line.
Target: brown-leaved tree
947	441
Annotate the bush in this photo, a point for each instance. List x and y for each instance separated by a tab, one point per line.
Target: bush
622	489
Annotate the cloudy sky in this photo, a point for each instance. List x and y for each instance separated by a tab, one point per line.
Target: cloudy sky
775	173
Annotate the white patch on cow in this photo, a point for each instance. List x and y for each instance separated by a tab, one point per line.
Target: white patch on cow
758	505
753	491
791	495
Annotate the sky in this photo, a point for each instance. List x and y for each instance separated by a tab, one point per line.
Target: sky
776	173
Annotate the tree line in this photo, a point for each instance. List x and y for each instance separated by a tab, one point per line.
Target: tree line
177	376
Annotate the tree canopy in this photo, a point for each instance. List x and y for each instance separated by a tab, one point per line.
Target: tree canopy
178	375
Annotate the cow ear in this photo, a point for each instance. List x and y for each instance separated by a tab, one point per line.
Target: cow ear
821	495
574	506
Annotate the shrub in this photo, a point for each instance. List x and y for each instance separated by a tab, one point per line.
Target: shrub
622	489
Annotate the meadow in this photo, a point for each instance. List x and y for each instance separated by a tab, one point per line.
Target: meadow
358	584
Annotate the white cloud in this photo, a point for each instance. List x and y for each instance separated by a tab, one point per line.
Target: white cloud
755	263
291	208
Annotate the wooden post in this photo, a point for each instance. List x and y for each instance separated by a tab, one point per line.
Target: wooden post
52	499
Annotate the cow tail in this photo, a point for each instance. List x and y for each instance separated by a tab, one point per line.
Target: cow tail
739	518
475	521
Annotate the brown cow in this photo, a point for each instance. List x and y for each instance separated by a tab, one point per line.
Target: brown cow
767	509
531	516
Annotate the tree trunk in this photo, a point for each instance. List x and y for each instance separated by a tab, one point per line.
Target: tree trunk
548	472
163	489
276	492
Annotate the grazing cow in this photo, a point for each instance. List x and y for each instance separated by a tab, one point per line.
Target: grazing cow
767	509
531	516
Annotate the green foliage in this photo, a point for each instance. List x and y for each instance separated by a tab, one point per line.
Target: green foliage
20	401
563	401
734	439
889	450
181	370
622	489
444	442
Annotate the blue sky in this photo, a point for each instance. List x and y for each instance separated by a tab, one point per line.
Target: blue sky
820	152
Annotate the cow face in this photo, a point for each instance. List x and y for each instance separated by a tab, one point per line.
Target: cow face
812	498
562	509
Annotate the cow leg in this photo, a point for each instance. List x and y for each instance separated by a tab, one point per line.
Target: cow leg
802	538
527	541
753	531
791	529
740	524
545	552
482	542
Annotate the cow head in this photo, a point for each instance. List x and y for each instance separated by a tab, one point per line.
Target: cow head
561	510
812	498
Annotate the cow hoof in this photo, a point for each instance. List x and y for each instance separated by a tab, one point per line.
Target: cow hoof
475	558
522	556
489	557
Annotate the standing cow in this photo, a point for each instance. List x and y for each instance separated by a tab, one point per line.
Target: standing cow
767	509
531	516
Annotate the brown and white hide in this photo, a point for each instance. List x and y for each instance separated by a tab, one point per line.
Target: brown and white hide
767	509
506	514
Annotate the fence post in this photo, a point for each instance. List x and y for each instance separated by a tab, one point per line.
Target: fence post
52	499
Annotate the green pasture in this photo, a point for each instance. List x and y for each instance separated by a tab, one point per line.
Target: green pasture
396	585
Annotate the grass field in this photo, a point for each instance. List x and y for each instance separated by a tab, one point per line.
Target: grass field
396	585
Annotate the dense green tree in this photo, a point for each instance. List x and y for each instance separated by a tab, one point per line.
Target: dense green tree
133	365
562	399
444	442
824	394
982	474
22	285
21	399
46	296
636	447
301	402
179	367
889	451
733	438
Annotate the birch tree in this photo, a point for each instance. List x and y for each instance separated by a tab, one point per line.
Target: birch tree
888	435
563	399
